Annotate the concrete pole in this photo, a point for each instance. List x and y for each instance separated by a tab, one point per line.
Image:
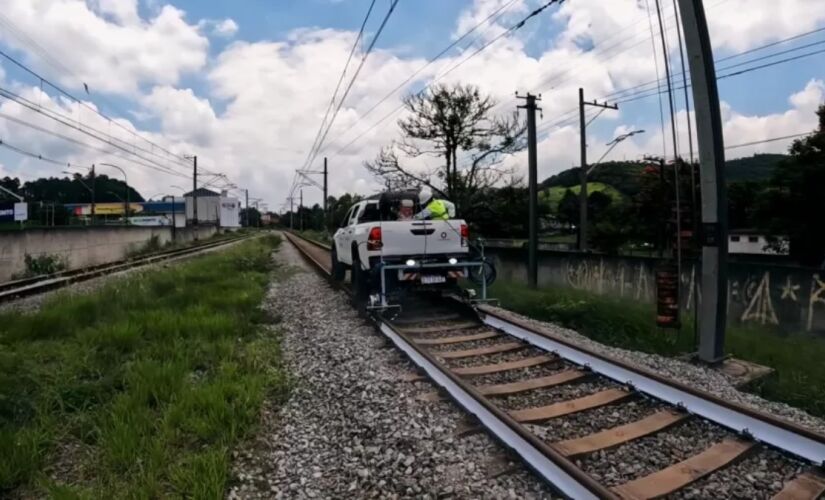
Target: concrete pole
195	190
714	284
326	214
582	175
533	223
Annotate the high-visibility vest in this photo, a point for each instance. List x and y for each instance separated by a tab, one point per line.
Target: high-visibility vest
438	210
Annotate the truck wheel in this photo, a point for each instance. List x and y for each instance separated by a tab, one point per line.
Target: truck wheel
338	270
360	285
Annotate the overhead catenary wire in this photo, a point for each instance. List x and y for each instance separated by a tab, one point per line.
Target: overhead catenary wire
82	103
507	32
35	108
341	79
353	80
89	146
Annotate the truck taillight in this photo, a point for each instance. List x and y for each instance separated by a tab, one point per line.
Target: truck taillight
465	234
374	240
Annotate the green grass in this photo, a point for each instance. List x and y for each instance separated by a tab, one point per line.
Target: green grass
797	358
319	236
154	377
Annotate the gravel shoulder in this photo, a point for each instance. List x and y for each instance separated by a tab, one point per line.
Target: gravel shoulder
352	426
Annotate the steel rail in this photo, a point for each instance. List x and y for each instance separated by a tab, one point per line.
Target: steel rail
776	432
761	427
16	289
558	471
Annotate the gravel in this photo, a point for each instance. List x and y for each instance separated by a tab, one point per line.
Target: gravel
549	395
761	475
352	427
490	359
508	376
653	453
595	420
697	376
472	344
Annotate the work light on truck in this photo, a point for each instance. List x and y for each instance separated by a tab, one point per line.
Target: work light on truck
374	240
465	234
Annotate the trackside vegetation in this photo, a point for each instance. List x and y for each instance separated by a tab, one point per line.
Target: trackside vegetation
797	358
141	388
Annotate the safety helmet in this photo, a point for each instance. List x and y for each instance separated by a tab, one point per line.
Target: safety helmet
425	196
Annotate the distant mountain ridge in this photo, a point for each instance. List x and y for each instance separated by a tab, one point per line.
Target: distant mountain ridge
624	176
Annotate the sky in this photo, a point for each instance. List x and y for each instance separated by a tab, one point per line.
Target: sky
245	85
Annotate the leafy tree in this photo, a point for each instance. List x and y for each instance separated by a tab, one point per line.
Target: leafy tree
794	202
443	122
568	211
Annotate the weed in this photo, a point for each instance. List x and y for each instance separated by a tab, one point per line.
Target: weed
41	265
159	374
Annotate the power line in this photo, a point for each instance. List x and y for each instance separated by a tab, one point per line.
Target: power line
507	32
68	121
341	79
764	141
435	58
644	94
23	102
82	103
88	146
352	81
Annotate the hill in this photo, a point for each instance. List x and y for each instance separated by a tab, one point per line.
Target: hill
554	195
624	176
753	168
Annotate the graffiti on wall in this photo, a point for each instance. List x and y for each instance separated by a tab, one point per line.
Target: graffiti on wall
773	296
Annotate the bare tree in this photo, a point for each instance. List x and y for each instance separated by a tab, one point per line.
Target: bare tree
444	121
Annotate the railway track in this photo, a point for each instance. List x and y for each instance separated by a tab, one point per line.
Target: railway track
12	290
596	427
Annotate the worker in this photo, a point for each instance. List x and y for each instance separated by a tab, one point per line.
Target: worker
433	208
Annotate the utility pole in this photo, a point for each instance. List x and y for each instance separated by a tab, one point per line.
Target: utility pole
326	214
532	154
582	239
300	210
291	214
194	189
93	193
246	214
713	317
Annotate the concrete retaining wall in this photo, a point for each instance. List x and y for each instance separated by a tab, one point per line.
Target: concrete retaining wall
85	246
789	298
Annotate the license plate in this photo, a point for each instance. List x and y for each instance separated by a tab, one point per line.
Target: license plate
432	280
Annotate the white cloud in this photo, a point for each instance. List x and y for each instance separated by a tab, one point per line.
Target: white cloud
226	28
265	100
107	45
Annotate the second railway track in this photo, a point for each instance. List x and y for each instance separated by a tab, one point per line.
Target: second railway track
16	289
596	427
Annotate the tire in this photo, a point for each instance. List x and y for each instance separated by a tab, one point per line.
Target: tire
338	269
360	285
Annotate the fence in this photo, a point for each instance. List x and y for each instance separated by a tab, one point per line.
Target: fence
790	298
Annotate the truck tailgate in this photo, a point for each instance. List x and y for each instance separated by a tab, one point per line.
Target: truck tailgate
410	238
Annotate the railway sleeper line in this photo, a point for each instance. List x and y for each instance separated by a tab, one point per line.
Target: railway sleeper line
566	411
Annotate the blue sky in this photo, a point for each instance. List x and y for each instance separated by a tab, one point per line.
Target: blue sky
245	84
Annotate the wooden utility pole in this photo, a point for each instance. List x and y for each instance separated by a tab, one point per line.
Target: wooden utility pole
714	296
582	238
532	153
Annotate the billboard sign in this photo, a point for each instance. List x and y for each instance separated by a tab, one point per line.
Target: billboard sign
13	212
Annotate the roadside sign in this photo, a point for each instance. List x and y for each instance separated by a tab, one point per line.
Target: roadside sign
21	212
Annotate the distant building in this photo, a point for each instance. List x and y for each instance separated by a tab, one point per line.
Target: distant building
752	242
215	209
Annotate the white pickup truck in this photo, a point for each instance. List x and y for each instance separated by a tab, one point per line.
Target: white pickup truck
385	249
